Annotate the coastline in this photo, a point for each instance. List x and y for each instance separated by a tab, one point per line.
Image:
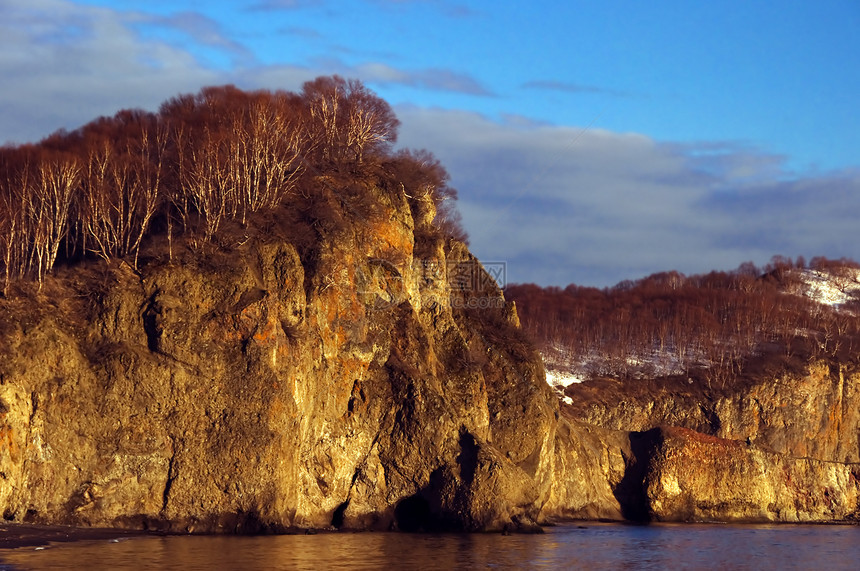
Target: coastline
15	535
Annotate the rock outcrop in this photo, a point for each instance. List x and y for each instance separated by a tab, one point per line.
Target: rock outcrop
265	384
809	412
780	447
689	476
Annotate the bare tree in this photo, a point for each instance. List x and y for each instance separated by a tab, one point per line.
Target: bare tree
13	246
37	195
59	177
236	153
347	121
265	154
122	187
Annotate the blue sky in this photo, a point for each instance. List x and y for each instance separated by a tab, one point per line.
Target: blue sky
590	141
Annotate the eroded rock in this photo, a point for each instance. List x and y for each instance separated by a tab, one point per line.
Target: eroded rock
256	386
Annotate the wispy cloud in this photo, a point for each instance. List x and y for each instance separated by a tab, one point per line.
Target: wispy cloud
450	9
435	79
432	78
201	29
279	5
789	214
579	88
292	76
306	33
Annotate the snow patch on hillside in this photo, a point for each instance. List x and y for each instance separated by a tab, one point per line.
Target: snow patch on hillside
833	289
557	378
563	370
558	381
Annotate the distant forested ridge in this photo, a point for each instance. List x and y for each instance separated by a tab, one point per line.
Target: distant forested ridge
669	323
203	162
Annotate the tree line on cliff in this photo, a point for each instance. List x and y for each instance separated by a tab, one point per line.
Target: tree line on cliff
714	322
203	161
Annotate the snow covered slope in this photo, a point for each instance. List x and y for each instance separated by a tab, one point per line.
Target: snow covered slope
837	287
833	288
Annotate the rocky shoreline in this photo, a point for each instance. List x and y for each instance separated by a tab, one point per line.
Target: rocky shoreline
18	535
371	381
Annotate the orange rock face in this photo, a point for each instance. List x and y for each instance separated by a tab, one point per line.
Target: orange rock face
262	385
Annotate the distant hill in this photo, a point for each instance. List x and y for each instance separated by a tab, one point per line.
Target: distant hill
737	391
703	327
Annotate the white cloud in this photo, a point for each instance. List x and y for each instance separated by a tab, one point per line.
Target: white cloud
433	79
564	205
64	64
201	29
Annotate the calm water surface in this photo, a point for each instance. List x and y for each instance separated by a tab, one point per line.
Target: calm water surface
609	546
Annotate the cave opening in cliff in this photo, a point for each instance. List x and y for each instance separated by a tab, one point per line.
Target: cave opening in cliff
412	514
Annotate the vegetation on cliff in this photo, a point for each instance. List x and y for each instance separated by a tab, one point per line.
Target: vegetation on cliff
205	162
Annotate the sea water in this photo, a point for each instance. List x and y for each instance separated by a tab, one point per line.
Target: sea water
569	546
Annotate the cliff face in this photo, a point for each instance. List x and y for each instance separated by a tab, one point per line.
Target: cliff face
782	447
690	476
257	386
814	412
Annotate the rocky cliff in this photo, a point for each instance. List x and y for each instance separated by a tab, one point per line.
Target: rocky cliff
781	445
365	374
810	412
689	476
260	384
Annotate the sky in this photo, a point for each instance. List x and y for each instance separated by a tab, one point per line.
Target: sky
590	142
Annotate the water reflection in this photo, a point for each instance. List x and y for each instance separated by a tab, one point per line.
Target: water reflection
569	546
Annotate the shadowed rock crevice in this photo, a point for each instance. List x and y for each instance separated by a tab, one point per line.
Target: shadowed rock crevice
168	483
468	457
712	418
337	517
631	492
149	317
412	514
